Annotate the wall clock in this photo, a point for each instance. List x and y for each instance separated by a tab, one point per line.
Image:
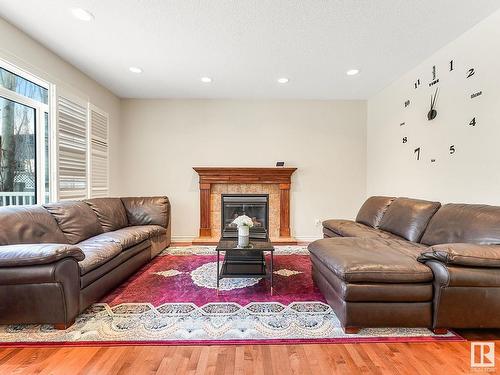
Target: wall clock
414	104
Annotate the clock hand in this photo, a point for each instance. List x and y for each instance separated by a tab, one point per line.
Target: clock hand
433	100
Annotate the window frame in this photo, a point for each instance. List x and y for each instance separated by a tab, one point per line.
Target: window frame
40	110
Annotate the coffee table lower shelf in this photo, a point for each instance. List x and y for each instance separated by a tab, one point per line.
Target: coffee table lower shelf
245	264
242	269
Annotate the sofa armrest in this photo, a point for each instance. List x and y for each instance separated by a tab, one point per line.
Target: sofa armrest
37	254
148	210
463	254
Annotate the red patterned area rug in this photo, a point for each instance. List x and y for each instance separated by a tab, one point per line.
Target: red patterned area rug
173	301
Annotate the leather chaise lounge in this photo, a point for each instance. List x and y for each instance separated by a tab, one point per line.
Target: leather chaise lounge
412	263
58	259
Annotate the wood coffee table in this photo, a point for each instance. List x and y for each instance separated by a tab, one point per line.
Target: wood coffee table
244	262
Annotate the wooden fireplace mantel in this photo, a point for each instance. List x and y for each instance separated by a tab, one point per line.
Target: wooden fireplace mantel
244	175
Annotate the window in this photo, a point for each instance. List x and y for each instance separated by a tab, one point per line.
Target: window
82	150
24	138
43	156
23	86
98	153
72	149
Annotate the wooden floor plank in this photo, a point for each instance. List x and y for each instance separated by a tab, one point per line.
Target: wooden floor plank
315	359
202	361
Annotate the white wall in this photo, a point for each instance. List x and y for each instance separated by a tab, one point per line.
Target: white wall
161	140
20	50
472	173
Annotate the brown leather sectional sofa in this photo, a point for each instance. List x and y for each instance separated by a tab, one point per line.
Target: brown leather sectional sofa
412	263
58	259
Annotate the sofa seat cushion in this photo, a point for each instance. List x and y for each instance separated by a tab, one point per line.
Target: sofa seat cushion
97	252
131	236
76	219
372	260
408	218
328	233
372	211
114	262
373	292
110	212
349	228
466	277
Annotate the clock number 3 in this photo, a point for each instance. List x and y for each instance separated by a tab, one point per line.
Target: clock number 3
417	151
471	72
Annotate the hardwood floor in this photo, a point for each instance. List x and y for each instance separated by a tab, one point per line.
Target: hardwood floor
316	359
401	358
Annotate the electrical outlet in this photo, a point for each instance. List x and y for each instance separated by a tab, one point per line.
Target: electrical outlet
317	222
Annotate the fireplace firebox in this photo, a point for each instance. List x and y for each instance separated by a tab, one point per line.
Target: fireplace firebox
255	206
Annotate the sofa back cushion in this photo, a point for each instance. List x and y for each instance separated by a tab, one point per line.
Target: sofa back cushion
372	211
76	220
408	218
110	212
457	223
28	225
147	210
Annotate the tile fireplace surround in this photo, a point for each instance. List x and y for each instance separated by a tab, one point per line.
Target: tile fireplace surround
215	181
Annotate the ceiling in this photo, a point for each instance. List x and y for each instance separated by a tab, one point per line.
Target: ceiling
246	45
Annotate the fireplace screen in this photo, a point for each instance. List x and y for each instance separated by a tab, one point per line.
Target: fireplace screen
252	205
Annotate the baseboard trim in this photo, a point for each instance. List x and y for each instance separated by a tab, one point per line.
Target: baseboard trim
183	238
188	239
307	238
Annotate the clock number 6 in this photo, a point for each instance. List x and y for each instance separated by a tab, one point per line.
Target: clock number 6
417	151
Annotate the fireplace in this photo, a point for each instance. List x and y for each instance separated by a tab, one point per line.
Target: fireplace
273	182
255	206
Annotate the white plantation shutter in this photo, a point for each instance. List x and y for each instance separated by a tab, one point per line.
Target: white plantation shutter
99	186
71	149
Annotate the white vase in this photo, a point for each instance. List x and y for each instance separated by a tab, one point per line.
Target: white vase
243	236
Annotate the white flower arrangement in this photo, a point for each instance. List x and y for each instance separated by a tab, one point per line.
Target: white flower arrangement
243	221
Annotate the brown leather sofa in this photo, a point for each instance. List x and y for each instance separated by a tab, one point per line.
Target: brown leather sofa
59	258
412	263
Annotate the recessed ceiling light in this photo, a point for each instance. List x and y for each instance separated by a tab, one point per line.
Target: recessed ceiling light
352	72
206	79
82	14
135	69
283	80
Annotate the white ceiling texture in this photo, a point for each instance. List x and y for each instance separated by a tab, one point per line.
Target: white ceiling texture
246	45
